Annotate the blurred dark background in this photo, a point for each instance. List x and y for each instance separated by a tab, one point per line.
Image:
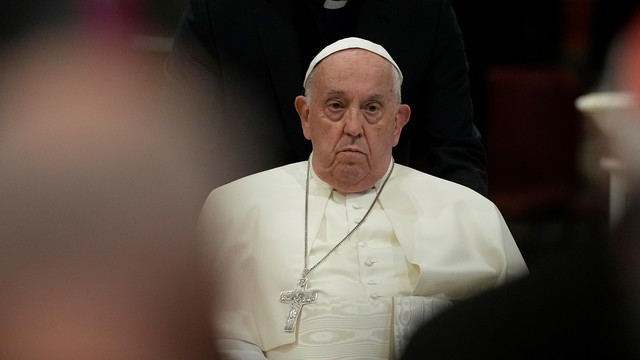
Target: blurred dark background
529	60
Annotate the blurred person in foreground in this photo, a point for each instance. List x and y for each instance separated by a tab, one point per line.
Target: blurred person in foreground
98	258
370	248
585	302
242	61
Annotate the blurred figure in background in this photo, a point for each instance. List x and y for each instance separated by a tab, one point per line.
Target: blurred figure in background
98	258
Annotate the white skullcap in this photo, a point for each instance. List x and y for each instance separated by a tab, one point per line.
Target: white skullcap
350	43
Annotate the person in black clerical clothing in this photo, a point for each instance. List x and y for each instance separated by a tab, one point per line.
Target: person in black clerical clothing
241	62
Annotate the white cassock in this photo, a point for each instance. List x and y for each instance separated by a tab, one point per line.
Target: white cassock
427	242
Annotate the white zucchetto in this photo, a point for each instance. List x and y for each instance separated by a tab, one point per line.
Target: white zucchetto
350	43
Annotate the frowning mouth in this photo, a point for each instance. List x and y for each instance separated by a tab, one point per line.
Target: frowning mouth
351	150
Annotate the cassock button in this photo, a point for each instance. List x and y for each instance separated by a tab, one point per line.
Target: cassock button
362	244
372	282
369	262
374	296
355	206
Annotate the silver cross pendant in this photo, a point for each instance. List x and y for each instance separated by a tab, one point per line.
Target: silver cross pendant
296	298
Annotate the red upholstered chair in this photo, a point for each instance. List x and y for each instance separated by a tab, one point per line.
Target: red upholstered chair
532	139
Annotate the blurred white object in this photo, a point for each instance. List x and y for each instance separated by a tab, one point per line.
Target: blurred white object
606	109
613	113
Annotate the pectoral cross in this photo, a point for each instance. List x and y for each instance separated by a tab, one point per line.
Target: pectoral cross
296	298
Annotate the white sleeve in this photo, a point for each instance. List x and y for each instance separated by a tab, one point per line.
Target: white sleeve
234	349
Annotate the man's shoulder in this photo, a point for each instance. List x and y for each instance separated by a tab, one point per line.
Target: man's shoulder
268	179
428	186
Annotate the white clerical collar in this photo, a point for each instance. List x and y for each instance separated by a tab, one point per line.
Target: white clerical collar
334	4
321	182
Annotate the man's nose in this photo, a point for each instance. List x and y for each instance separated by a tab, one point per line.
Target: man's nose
353	122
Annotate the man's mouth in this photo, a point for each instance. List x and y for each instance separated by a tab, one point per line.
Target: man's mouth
352	150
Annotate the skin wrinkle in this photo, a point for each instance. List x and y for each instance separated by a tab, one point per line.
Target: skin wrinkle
354	118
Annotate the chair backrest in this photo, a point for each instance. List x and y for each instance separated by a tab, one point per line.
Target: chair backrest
533	134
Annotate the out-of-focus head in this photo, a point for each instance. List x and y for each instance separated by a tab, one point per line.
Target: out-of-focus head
352	113
627	67
98	258
625	121
624	139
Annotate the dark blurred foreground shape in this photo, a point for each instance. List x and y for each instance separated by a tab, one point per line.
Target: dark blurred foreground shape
577	306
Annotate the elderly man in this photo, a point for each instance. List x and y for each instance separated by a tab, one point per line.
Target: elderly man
341	256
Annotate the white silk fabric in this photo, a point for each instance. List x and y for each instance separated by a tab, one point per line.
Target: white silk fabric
358	328
448	241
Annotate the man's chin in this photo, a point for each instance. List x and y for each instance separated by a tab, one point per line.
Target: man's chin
351	177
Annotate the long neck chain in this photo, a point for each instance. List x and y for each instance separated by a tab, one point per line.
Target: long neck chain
307	269
299	297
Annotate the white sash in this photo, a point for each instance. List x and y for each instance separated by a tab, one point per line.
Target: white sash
362	328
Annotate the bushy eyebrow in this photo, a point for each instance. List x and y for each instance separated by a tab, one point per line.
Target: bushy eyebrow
374	97
331	93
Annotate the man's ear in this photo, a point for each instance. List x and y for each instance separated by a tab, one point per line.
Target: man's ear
402	118
303	111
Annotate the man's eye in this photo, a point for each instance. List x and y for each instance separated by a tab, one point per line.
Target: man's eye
335	105
373	108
